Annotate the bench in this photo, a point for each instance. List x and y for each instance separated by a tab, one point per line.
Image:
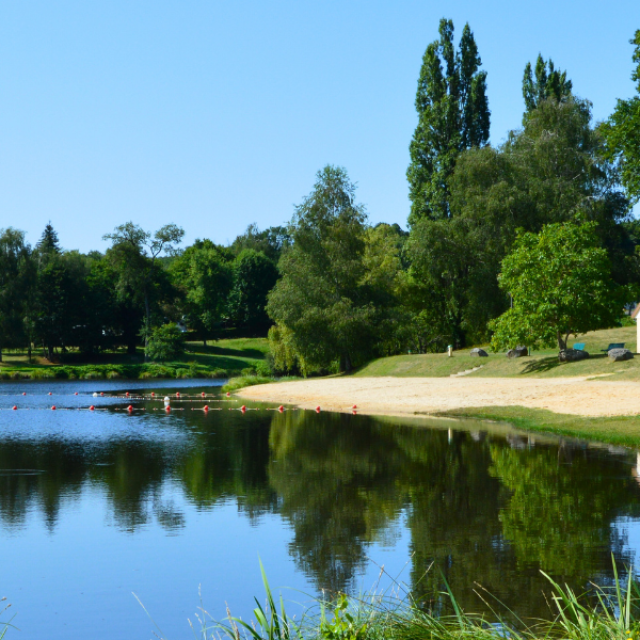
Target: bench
613	345
579	346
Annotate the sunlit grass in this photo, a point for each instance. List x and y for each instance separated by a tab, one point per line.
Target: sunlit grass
541	364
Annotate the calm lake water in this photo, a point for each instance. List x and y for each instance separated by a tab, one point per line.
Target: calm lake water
179	509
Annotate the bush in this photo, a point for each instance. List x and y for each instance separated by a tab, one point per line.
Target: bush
165	343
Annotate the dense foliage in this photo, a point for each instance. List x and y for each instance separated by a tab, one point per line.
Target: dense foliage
331	290
560	283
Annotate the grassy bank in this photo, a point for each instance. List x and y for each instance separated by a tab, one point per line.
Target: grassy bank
541	364
620	430
609	613
241	382
221	359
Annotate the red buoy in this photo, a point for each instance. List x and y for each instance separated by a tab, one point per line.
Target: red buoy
53	408
91	408
228	394
167	408
127	394
153	395
355	406
354	412
318	409
130	408
76	393
202	394
102	393
24	393
243	408
280	408
15	408
49	392
205	408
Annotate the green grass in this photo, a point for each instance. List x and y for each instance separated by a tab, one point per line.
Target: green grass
542	364
220	359
621	430
240	382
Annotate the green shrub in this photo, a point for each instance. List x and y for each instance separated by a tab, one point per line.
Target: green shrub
245	381
165	343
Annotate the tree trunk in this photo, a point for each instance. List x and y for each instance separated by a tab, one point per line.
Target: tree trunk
562	344
29	353
147	322
204	342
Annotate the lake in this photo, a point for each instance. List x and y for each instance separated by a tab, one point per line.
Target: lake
178	508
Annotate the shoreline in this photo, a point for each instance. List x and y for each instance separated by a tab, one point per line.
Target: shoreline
607	411
576	396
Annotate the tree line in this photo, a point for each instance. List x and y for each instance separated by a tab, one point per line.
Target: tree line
53	300
550	205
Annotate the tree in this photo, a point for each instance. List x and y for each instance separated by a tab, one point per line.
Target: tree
204	275
453	114
551	171
135	255
548	83
15	283
622	132
320	298
254	276
271	241
165	343
560	283
48	242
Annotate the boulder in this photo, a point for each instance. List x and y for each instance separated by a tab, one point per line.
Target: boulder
572	355
518	352
481	353
618	355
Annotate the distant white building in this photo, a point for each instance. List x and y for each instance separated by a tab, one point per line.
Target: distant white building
635	314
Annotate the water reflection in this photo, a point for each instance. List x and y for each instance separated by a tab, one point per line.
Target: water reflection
479	506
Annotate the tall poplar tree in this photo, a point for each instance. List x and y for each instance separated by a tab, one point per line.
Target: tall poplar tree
453	114
547	83
622	132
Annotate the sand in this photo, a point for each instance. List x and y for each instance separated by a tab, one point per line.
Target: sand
408	396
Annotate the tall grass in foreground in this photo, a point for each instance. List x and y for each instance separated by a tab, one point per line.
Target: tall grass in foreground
4	626
611	614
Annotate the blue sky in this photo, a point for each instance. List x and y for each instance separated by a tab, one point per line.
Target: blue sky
217	114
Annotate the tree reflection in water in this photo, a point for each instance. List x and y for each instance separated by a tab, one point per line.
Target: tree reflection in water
479	507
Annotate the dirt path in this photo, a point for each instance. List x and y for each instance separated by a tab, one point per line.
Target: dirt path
402	396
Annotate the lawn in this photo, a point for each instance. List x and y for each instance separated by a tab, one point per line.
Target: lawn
540	364
220	358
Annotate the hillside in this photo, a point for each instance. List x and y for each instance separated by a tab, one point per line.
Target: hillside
540	364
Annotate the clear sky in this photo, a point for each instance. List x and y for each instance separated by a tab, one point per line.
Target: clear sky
215	114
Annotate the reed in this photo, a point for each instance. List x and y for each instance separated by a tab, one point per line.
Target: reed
605	614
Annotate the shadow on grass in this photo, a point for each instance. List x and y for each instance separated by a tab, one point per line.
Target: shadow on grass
212	350
552	362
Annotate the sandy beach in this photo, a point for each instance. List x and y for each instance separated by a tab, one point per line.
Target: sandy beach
411	396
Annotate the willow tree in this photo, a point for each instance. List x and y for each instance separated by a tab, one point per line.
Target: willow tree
321	300
453	114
